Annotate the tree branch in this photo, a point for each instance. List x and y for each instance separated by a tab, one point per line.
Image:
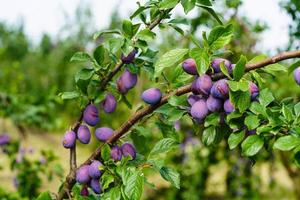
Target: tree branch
70	180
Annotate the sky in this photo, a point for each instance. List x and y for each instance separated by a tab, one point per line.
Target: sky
48	16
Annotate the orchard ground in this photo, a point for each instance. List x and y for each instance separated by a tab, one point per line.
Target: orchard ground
216	182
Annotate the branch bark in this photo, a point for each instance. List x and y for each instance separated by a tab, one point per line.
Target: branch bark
70	179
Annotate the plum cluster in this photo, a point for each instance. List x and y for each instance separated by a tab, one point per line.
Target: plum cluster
209	96
89	175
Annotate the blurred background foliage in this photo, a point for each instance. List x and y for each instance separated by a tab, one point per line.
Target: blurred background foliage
32	76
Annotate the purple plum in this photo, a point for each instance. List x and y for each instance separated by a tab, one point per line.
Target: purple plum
202	85
82	175
84	191
95	185
126	81
297	75
104	133
4	139
120	85
109	104
116	153
189	66
220	89
251	132
254	90
228	107
193	98
214	104
152	96
199	110
69	139
91	115
129	58
128	150
216	64
94	171
84	134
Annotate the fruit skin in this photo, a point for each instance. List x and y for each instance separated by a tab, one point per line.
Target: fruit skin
69	139
4	139
192	99
254	90
189	66
228	107
116	153
95	185
152	96
84	191
220	89
202	85
84	134
109	104
126	81
199	110
128	149
297	75
103	133
94	171
82	175
214	104
91	115
216	64
129	58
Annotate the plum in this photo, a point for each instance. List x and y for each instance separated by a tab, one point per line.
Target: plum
4	139
189	66
94	171
84	134
84	191
254	90
95	185
109	104
104	133
202	85
116	153
129	58
128	150
199	110
220	89
216	64
91	115
228	107
152	96
251	132
214	104
126	81
297	75
69	139
82	175
193	98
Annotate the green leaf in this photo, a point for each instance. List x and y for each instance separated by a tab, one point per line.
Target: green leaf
99	54
188	5
257	109
286	143
297	109
115	44
202	59
239	69
100	33
209	136
212	12
70	95
115	193
169	59
235	139
287	113
236	86
265	97
171	176
134	185
146	35
106	179
81	57
251	145
274	69
127	28
204	2
105	152
166	4
224	70
163	146
220	36
44	196
84	74
241	100
212	120
293	66
252	122
258	58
